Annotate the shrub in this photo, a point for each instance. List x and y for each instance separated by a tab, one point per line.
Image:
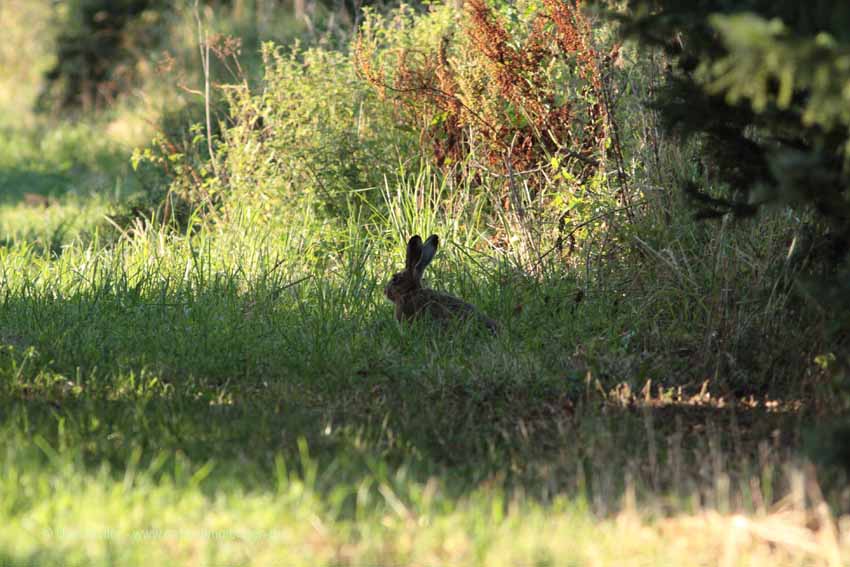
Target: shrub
312	132
478	82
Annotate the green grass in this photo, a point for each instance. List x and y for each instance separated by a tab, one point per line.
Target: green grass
245	396
57	184
239	392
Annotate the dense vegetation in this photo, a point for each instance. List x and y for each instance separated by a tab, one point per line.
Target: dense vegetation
197	361
762	88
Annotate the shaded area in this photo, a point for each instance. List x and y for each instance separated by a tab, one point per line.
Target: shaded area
541	447
19	185
215	374
55	159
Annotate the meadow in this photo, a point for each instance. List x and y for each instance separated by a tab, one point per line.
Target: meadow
208	372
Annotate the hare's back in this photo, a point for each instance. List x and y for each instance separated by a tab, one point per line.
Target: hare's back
439	304
445	307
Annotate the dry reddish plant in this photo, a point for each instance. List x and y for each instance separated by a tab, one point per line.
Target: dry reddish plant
532	121
573	33
421	81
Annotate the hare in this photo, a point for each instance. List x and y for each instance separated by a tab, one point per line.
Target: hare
412	300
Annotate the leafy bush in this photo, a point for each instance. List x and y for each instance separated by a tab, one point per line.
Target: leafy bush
519	84
312	132
315	131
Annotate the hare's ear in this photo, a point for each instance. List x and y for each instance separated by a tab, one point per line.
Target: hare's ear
414	252
428	251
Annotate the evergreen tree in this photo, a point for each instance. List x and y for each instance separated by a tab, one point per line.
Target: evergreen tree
764	87
97	49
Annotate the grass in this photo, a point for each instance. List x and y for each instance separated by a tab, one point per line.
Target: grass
244	396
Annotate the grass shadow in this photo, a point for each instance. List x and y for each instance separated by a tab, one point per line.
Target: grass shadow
54	160
216	373
19	185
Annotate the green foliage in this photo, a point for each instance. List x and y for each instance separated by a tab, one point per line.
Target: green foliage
25	54
315	131
97	50
762	88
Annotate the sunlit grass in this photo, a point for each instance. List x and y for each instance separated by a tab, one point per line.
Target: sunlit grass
230	396
241	393
77	518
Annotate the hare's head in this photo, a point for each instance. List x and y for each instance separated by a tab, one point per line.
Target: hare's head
418	257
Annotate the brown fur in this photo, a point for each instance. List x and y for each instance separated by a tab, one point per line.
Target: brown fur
411	299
